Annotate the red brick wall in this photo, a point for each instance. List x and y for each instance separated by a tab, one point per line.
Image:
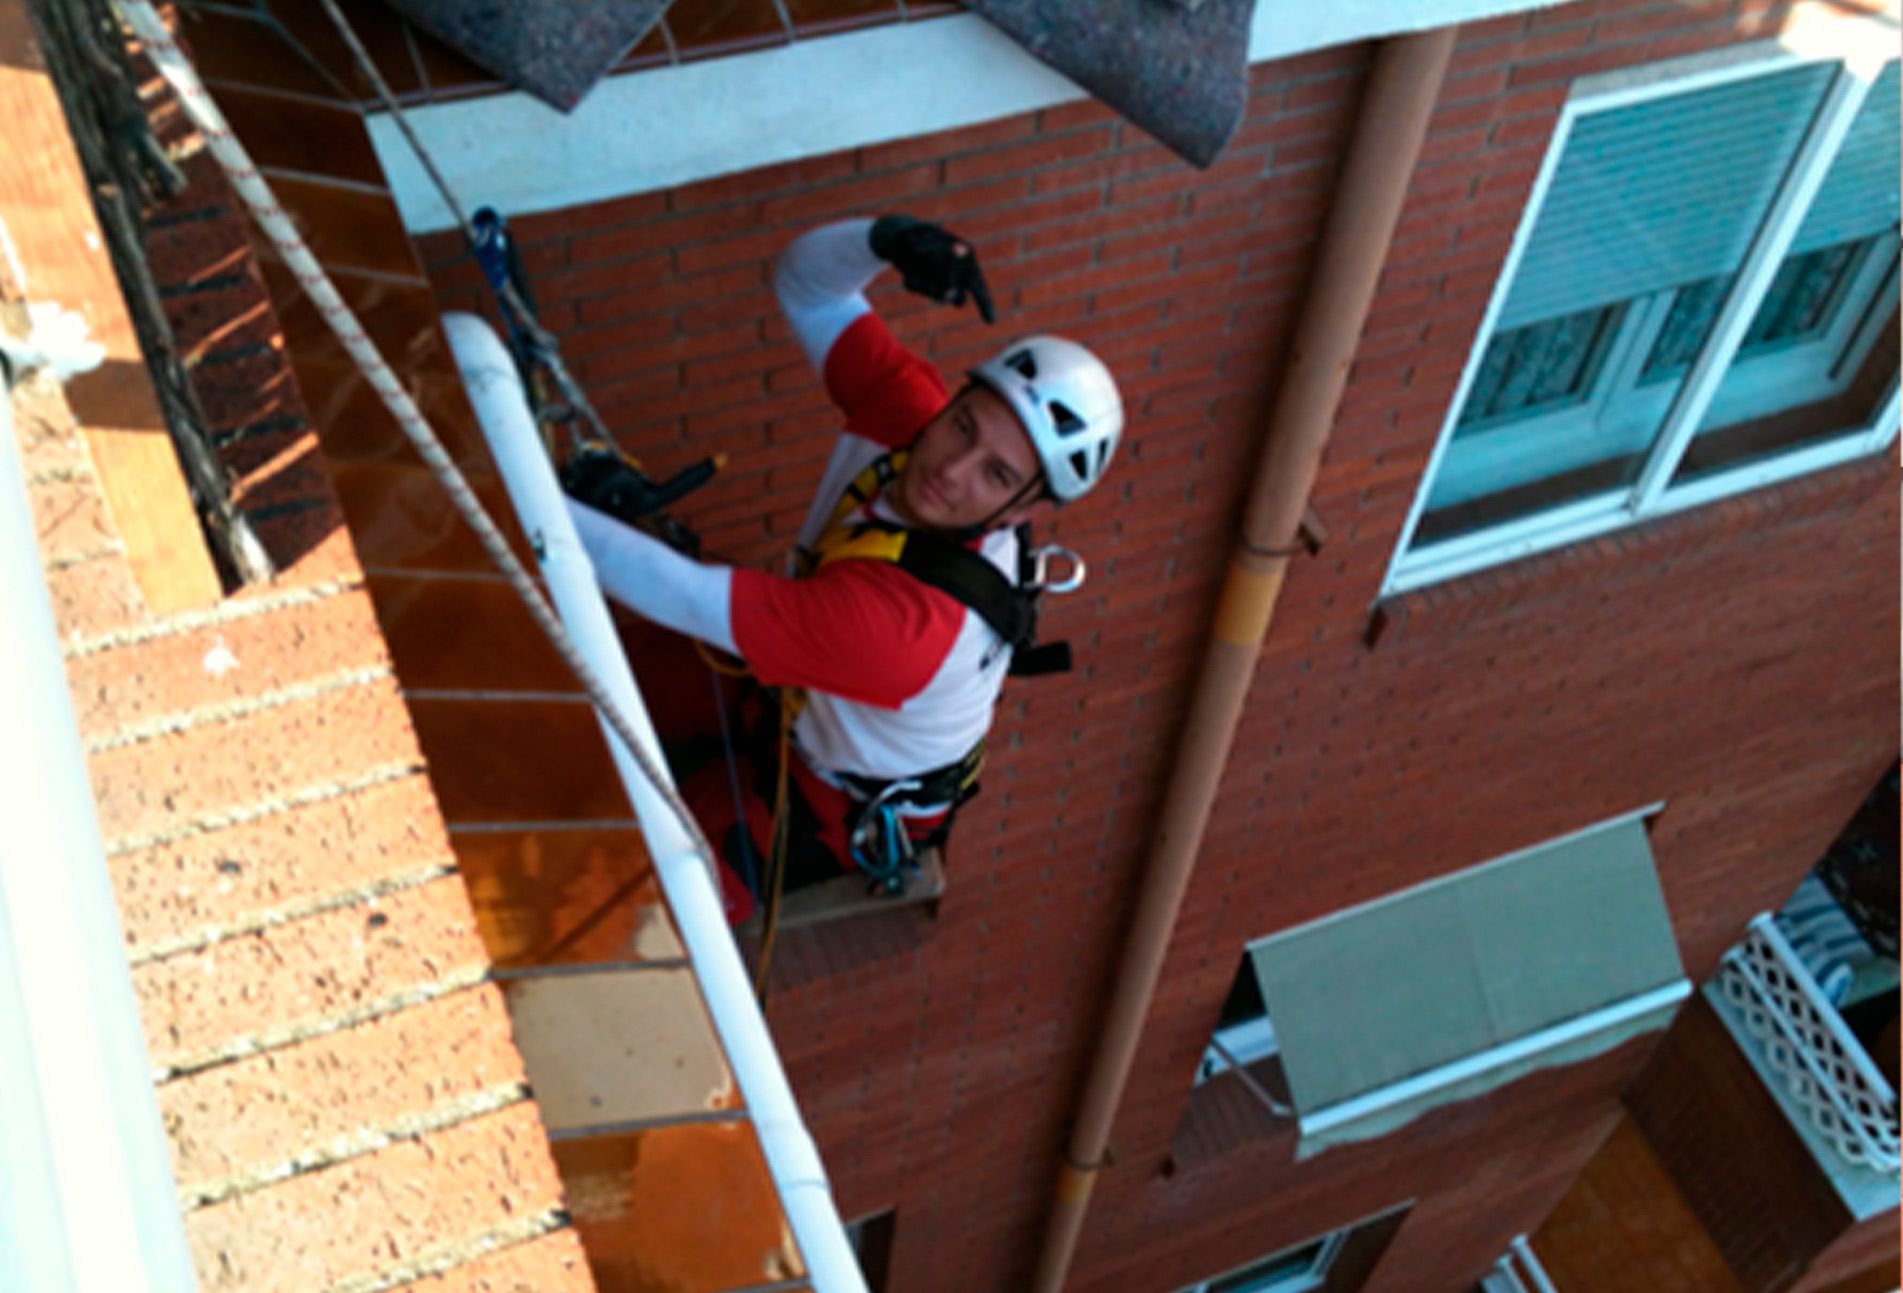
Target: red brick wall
307	968
1735	663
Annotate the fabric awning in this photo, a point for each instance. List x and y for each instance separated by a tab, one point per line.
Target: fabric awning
1449	989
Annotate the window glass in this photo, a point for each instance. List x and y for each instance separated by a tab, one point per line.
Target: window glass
1820	359
1290	1271
1649	214
1540	368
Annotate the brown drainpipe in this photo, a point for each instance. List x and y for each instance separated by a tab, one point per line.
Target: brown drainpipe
1401	92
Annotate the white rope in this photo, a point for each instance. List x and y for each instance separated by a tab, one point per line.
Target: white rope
547	352
224	146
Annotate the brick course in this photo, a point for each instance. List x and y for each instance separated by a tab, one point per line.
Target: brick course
1734	662
355	1107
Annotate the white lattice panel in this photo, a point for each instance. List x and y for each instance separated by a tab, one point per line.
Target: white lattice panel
1802	1040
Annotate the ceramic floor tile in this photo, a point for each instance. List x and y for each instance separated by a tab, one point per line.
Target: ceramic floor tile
686	1209
465	634
822	17
402	519
500	761
565	897
400	317
301	135
349	228
230	50
356	427
619	1046
710	28
378	28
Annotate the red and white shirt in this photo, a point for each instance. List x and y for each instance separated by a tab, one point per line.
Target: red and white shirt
903	677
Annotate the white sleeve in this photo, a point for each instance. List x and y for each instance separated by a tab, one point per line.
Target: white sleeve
656	582
821	279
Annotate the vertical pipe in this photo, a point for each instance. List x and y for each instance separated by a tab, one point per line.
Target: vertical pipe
87	1198
685	871
1400	96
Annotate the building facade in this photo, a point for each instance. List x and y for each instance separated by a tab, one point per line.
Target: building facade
1603	548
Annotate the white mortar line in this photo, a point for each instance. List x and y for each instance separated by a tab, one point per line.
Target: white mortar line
226	612
364	1140
225	818
301	1030
182	721
208	935
438	1258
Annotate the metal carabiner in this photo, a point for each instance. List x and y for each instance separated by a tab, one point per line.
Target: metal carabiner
1041	567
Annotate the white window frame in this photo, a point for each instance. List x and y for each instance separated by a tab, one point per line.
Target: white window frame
1305	1281
1859	51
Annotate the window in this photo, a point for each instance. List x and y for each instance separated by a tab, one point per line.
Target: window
1449	989
1701	300
1294	1270
870	1238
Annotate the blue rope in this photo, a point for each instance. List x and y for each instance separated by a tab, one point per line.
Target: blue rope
748	872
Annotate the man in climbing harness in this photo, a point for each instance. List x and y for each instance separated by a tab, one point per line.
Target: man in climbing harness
914	587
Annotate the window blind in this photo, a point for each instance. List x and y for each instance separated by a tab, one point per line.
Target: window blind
1859	193
1663	192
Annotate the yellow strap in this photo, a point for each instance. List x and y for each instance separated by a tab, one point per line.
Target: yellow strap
863	542
866	484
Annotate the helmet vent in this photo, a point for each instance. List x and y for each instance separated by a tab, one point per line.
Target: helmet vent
1080	464
1068	423
1024	363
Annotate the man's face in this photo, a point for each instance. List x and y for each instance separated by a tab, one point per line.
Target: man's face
969	462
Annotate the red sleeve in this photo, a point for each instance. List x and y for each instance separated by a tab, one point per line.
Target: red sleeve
886	391
862	630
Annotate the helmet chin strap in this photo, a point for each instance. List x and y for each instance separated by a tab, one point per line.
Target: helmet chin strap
1024	495
1037	483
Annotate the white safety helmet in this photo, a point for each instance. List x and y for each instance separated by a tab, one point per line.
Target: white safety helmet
1068	403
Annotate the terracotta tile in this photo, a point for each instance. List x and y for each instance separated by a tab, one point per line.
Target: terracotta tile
380	31
823	17
349	228
401	318
234	51
686	1209
401	518
426	620
565	897
517	760
650	51
299	135
356	427
712	28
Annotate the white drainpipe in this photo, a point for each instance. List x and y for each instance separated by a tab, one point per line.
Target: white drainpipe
87	1199
686	875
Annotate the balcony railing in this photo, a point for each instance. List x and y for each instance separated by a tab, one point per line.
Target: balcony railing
1517	1271
1764	989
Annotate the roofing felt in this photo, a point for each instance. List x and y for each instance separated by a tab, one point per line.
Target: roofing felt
1177	68
1181	73
553	49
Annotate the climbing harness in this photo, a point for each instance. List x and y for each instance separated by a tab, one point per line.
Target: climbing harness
597	473
1008	606
880	844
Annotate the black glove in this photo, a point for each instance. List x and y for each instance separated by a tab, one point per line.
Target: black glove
934	262
609	482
